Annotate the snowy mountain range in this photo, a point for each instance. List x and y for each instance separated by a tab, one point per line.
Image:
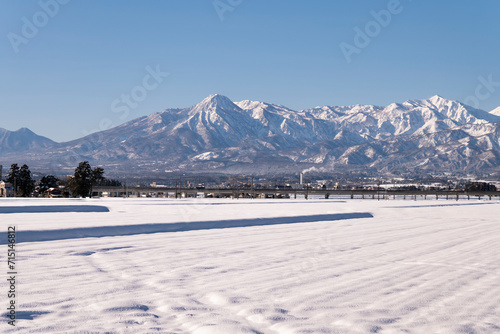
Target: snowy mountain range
217	134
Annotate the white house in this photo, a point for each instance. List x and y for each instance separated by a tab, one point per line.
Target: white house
3	191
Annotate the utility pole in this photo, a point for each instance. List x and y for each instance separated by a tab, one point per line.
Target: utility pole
177	186
232	186
252	189
125	186
378	190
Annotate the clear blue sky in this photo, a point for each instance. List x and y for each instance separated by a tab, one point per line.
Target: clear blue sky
63	79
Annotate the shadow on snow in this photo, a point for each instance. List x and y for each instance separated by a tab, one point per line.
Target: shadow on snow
53	208
125	230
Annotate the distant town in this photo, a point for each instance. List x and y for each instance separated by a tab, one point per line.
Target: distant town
20	181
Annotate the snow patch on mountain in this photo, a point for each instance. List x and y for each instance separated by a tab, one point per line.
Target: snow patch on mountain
206	156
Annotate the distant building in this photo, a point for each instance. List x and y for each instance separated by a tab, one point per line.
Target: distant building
53	193
3	190
8	189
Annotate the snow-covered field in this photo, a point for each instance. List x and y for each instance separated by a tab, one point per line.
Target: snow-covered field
253	266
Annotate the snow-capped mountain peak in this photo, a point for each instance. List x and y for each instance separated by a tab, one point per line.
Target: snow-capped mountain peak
435	101
438	100
249	104
215	101
496	111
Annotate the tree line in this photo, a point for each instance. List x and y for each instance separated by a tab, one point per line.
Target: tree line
78	185
480	186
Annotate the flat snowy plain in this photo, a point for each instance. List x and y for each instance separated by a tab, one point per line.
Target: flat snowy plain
206	266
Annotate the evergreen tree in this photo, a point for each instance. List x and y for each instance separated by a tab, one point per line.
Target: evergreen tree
13	177
84	178
26	181
96	177
480	186
49	181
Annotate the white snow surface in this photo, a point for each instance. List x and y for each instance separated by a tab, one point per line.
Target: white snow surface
424	266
